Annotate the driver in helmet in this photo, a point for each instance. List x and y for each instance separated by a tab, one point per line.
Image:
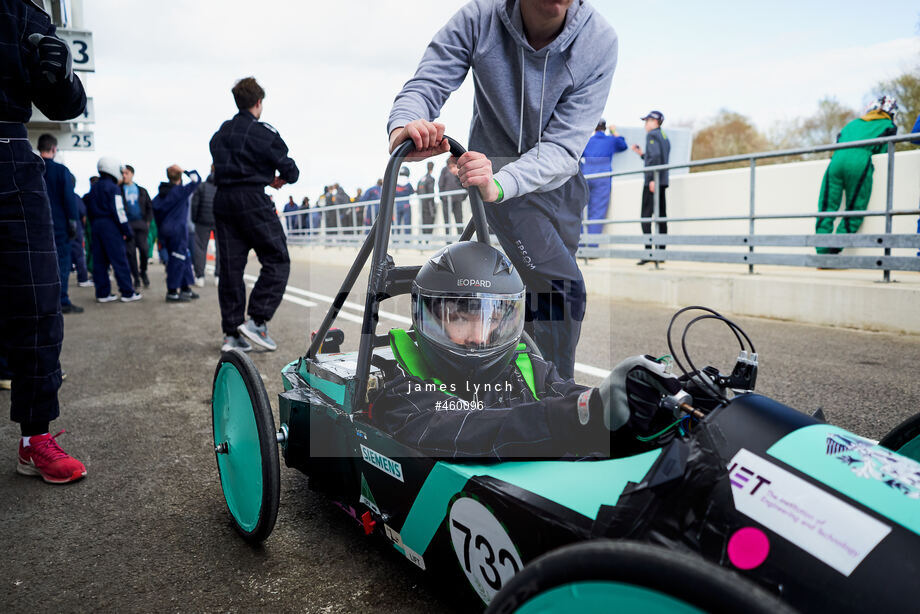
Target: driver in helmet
105	209
463	385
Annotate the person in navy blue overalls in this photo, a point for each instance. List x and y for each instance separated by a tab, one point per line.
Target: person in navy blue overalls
63	213
291	222
35	67
403	214
105	208
598	158
916	130
77	250
171	211
370	211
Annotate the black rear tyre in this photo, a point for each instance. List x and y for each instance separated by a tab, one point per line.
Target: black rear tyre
905	438
650	578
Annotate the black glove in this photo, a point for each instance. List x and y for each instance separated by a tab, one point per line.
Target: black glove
632	393
71	229
54	58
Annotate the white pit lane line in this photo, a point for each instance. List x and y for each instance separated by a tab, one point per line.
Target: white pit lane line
580	367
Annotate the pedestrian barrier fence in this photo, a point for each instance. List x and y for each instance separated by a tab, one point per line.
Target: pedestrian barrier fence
656	247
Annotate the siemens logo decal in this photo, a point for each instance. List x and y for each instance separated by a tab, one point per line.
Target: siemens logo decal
387	465
478	283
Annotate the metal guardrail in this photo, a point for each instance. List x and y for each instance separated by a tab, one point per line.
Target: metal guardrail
600	245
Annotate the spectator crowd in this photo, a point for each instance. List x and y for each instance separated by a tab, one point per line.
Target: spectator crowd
336	212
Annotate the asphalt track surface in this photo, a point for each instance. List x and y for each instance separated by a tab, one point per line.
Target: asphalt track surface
148	529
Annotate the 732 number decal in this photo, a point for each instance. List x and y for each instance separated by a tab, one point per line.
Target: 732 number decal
484	549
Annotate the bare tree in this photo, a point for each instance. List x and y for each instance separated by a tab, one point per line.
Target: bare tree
820	128
727	134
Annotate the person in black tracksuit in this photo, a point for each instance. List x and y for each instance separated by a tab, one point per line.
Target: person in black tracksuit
657	152
203	218
247	153
427	203
35	67
449	182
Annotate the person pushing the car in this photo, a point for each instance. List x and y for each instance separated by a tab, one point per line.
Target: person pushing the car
466	387
542	71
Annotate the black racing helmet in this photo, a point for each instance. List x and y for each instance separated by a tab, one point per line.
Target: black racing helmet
468	312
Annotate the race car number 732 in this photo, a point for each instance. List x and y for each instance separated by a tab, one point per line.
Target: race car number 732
504	557
483	547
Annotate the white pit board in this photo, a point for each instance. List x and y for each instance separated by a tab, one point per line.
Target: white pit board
81	47
88	116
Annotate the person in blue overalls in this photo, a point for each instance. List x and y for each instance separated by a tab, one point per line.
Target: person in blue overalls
598	158
916	130
63	213
105	208
370	195
291	222
403	212
35	67
171	211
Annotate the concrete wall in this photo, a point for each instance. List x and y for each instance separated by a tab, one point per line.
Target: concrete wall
780	188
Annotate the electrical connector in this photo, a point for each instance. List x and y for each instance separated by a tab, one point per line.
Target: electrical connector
744	375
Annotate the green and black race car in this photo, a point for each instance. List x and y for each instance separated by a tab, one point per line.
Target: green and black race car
744	505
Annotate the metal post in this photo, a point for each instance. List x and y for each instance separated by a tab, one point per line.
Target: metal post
655	213
889	202
76	14
751	221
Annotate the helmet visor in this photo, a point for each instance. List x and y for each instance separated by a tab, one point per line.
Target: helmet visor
469	323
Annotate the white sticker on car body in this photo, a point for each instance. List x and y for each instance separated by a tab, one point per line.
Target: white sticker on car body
385	464
409	553
483	547
828	528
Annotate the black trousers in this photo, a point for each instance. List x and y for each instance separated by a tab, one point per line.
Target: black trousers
332	222
246	220
202	237
137	249
31	325
539	233
455	204
648	208
429	211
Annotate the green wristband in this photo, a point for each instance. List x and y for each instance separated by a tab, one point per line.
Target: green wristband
501	192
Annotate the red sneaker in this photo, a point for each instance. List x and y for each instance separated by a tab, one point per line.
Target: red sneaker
43	456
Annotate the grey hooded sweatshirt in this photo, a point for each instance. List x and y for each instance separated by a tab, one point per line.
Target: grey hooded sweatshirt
534	111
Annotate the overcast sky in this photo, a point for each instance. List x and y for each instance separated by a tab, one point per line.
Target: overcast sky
331	69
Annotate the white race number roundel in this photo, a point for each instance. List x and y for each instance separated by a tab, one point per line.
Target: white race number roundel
485	551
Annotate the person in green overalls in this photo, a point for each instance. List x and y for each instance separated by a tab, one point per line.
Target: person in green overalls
850	170
463	385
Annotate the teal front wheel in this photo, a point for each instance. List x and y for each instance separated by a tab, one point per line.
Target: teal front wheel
245	445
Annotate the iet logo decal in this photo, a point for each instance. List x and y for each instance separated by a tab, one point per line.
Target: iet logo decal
746	479
387	465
